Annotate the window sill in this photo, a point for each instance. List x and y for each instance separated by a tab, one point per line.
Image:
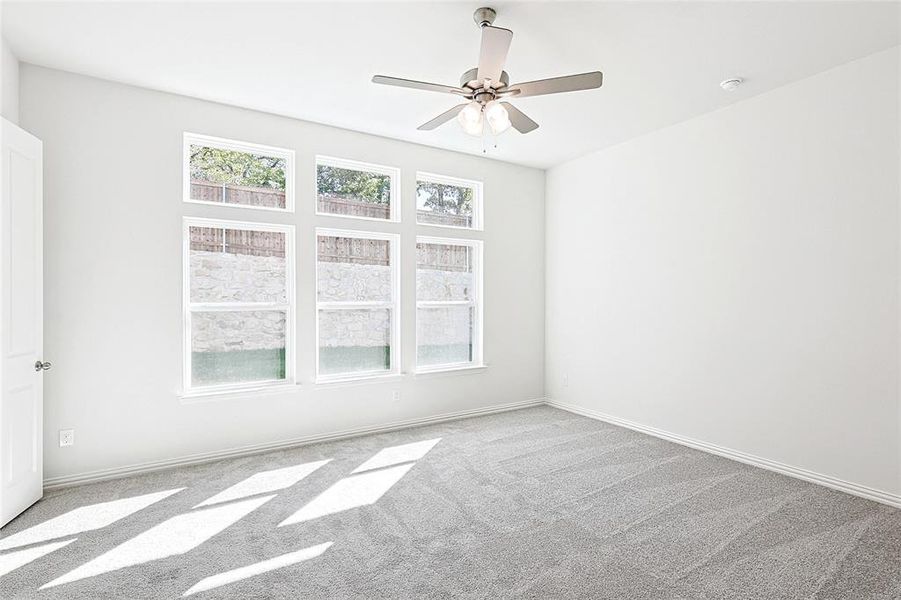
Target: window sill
267	389
358	380
450	370
237	393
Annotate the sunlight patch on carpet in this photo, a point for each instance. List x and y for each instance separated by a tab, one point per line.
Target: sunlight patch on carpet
170	538
350	492
20	558
259	568
264	483
396	455
85	518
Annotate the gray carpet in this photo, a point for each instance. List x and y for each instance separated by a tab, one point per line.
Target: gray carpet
536	503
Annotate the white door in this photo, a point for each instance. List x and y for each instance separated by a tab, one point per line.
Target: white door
21	323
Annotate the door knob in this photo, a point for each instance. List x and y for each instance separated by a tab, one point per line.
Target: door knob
42	366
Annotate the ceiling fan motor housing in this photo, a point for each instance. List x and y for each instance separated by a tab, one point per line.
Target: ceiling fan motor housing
469	81
484	16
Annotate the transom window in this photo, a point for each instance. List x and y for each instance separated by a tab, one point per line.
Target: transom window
448	201
239	298
357	295
220	171
349	188
448	303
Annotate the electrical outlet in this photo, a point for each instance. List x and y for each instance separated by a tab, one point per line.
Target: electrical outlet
66	437
395	396
565	380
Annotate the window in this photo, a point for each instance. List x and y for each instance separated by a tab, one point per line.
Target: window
357	291
448	303
239	299
353	189
448	201
218	171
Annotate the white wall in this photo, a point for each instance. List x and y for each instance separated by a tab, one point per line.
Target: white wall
113	315
735	278
9	83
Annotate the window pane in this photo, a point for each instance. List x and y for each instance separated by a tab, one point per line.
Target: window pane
354	193
353	269
443	272
234	177
444	204
237	346
236	265
444	335
354	340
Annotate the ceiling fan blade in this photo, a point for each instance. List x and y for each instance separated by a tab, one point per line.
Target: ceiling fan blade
556	85
417	85
519	120
493	53
442	118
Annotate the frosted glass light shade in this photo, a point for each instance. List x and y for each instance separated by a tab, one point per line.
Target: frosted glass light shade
470	118
497	117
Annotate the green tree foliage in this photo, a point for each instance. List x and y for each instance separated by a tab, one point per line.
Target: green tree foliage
237	168
444	199
347	183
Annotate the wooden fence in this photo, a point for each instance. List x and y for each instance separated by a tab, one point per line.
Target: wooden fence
438	257
443	257
208	191
335	205
433	218
355	251
358	251
238	241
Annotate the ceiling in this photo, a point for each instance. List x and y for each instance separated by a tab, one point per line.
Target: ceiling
662	62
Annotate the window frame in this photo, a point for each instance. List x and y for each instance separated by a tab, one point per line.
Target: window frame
395	352
189	307
394	205
477	187
477	303
210	141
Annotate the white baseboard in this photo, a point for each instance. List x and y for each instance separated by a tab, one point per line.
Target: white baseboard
756	461
192	459
750	459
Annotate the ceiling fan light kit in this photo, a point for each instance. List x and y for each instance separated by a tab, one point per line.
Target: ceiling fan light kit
487	86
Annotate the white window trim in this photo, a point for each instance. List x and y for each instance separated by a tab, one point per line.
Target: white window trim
477	187
477	302
189	307
204	395
239	146
355	165
394	305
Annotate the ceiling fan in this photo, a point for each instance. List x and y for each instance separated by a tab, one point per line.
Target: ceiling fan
486	86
